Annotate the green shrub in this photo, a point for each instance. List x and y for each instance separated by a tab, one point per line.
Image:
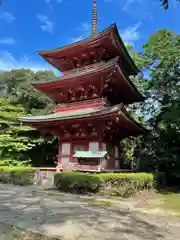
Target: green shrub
17	175
159	179
123	190
77	182
8	162
119	184
125	184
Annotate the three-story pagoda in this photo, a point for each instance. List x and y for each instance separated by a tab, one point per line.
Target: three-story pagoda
90	119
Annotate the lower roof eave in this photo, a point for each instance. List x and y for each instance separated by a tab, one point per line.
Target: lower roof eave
78	114
109	112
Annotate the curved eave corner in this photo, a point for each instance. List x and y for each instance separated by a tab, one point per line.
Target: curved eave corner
135	68
140	97
41	85
27	120
130	118
36	86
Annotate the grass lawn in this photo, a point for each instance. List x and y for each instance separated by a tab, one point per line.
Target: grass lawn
8	232
101	203
167	202
170	201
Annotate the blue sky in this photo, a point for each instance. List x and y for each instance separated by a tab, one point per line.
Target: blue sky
27	26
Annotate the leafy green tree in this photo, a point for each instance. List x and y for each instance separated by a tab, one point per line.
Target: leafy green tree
18	98
17	86
14	139
159	149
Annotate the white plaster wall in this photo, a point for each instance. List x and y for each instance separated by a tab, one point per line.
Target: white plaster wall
116	163
103	147
104	163
116	152
94	146
65	161
66	148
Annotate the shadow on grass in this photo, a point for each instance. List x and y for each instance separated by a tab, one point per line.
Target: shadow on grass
100	203
168	190
10	232
49	216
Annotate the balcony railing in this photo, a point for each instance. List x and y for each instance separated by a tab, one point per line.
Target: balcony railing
90	68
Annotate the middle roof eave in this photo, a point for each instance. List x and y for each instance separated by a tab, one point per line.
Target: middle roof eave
79	75
72	74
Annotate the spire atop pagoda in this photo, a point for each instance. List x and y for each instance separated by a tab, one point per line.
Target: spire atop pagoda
94	19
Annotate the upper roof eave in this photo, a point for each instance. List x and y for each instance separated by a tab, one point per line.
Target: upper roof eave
71	45
137	70
112	27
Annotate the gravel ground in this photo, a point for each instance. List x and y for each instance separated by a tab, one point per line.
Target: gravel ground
71	217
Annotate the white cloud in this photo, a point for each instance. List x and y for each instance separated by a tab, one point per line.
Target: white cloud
49	1
9	62
131	33
7	16
141	9
76	39
46	24
84	30
9	41
130	2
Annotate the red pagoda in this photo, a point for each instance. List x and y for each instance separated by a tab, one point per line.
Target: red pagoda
90	119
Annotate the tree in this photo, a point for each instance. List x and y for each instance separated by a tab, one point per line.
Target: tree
159	149
14	139
16	85
165	3
18	98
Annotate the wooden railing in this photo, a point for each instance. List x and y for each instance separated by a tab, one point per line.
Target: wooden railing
89	68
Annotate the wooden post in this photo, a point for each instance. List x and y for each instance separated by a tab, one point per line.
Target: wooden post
59	162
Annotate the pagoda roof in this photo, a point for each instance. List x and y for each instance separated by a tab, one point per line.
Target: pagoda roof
86	114
90	42
79	76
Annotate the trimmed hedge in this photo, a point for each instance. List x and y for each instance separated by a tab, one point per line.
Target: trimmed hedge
77	182
17	175
119	184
